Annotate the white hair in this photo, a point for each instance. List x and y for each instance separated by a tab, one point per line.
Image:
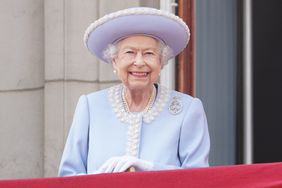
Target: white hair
110	52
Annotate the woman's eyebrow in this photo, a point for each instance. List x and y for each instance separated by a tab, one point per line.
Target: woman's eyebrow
134	48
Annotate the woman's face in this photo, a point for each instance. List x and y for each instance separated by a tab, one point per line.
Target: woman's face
138	61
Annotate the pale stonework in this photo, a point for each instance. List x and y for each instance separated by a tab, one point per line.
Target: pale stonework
21	88
21	134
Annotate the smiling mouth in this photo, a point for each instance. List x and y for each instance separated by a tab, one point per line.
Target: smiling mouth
139	74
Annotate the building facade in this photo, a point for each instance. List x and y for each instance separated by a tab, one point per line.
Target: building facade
44	68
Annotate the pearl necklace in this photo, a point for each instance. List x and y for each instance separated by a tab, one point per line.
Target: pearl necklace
115	98
148	106
134	121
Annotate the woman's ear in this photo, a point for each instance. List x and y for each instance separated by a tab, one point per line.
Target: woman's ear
162	66
115	67
114	63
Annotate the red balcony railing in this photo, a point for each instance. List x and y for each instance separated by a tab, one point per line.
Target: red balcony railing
249	176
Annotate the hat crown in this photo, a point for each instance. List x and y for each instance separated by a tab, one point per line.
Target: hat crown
169	28
134	11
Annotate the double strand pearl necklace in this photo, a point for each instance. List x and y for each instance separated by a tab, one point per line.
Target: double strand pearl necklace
148	106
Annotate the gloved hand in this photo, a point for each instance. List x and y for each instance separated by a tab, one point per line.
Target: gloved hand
122	163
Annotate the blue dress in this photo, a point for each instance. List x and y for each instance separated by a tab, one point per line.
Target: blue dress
172	134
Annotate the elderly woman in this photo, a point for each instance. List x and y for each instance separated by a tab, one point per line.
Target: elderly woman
137	123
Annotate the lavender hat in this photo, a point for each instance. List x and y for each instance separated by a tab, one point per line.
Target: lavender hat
165	26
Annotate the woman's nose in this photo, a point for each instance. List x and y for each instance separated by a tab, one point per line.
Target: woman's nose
139	60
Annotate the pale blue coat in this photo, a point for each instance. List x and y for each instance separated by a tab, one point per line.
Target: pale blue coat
170	141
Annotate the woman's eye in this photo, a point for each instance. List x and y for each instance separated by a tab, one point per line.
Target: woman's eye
149	53
129	52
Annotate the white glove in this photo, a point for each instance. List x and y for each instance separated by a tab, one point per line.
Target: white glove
121	164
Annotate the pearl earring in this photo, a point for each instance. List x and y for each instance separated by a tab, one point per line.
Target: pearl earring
114	71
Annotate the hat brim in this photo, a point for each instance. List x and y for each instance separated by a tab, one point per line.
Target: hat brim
171	32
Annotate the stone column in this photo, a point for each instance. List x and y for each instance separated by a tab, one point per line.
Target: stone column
69	71
21	88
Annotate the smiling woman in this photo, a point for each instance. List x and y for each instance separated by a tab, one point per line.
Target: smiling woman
138	66
138	123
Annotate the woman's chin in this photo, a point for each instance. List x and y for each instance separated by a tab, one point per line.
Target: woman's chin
139	85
